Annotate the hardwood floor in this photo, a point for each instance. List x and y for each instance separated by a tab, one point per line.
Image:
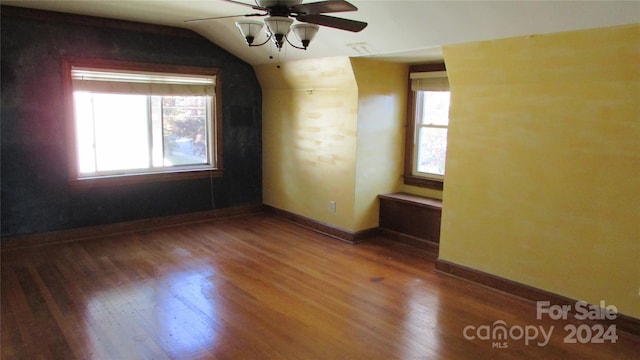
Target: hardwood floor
258	287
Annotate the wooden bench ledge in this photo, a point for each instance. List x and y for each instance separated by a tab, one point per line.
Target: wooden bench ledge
413	199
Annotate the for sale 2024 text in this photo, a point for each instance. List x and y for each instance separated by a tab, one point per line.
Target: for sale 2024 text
598	332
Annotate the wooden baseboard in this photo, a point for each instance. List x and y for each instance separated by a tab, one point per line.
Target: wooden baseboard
347	236
55	237
62	236
428	246
623	322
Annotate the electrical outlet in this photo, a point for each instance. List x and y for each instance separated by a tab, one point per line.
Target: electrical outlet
332	206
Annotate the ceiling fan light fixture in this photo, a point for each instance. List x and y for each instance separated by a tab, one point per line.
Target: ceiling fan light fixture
279	15
305	33
279	27
250	29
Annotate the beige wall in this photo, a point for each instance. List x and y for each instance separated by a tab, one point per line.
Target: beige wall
543	163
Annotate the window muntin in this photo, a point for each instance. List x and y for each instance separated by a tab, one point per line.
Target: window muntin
130	119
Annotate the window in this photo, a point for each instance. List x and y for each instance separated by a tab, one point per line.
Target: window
151	121
427	126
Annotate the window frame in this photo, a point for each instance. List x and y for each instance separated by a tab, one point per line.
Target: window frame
411	126
215	169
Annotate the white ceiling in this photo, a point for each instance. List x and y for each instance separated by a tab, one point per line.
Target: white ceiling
405	31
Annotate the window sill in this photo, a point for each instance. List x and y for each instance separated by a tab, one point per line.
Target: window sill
117	180
423	182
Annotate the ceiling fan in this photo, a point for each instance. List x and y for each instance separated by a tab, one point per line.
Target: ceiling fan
278	19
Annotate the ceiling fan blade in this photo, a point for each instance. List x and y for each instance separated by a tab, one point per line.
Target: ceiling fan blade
223	17
253	6
333	22
329	6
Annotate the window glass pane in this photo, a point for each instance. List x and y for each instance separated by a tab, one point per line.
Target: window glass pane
123	132
84	132
435	109
121	136
185	130
147	120
113	128
432	150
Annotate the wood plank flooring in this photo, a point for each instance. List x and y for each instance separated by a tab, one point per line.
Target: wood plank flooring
257	287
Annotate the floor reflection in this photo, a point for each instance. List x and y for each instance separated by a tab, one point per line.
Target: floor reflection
175	314
421	336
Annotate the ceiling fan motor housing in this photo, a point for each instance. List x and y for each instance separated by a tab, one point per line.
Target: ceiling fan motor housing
278	3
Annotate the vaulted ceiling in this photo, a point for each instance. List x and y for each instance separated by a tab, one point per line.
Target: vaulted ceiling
405	31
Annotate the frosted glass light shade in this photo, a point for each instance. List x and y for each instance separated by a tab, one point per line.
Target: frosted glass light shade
278	25
305	32
250	29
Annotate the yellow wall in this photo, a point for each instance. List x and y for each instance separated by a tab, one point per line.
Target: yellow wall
382	102
543	163
309	115
332	130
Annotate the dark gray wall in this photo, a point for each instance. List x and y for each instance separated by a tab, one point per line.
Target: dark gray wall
36	196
